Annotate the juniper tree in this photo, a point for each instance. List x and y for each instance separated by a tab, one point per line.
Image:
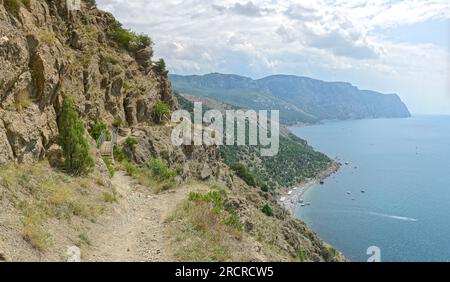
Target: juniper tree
71	138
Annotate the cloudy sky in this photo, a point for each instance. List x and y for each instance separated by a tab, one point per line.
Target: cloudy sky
390	46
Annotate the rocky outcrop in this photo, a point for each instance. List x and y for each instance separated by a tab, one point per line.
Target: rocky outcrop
48	53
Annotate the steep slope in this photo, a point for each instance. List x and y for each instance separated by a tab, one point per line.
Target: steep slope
295	163
300	99
48	54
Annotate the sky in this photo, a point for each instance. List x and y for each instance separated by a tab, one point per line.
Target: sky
390	46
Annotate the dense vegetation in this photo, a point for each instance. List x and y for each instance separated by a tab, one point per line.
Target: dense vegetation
295	162
128	39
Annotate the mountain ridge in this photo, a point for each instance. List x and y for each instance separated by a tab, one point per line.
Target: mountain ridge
300	99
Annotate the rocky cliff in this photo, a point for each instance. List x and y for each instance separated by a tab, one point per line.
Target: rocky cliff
48	53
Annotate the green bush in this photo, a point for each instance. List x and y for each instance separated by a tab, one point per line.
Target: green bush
160	110
267	210
129	40
75	148
160	66
244	173
12	6
216	199
131	142
98	129
118	154
160	169
118	122
130	168
109	166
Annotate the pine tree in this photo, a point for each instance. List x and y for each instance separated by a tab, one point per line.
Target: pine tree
71	138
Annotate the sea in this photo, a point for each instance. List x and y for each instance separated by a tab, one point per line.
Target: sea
391	198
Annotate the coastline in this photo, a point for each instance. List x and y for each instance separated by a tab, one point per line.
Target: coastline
290	198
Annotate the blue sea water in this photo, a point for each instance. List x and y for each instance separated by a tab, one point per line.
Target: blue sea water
403	165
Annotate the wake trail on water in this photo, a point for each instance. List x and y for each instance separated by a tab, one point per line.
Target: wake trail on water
393	216
390	216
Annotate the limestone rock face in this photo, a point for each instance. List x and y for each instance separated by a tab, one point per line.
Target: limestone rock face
48	53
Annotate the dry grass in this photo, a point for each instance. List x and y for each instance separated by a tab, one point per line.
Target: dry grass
40	194
22	100
47	37
199	232
145	177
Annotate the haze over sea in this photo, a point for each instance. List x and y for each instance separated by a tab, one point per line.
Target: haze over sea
403	165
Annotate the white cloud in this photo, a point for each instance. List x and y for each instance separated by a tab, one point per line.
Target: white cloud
339	39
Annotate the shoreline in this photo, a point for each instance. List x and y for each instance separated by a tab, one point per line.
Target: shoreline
291	197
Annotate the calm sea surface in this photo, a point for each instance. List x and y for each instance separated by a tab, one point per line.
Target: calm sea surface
403	165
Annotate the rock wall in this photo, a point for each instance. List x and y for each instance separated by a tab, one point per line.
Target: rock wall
48	53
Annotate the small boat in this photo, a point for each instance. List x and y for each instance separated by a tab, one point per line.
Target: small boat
308	203
349	193
353	199
302	205
301	201
347	163
322	182
363	191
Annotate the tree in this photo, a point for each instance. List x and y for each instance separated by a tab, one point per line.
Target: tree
160	110
71	138
160	66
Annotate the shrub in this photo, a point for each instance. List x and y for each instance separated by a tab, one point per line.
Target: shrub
109	166
118	154
160	66
12	6
160	110
265	187
47	37
130	168
244	173
216	199
267	210
98	129
84	238
109	198
118	122
128	39
131	142
160	169
34	231
71	138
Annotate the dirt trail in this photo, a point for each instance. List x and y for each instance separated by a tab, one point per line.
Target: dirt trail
136	230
